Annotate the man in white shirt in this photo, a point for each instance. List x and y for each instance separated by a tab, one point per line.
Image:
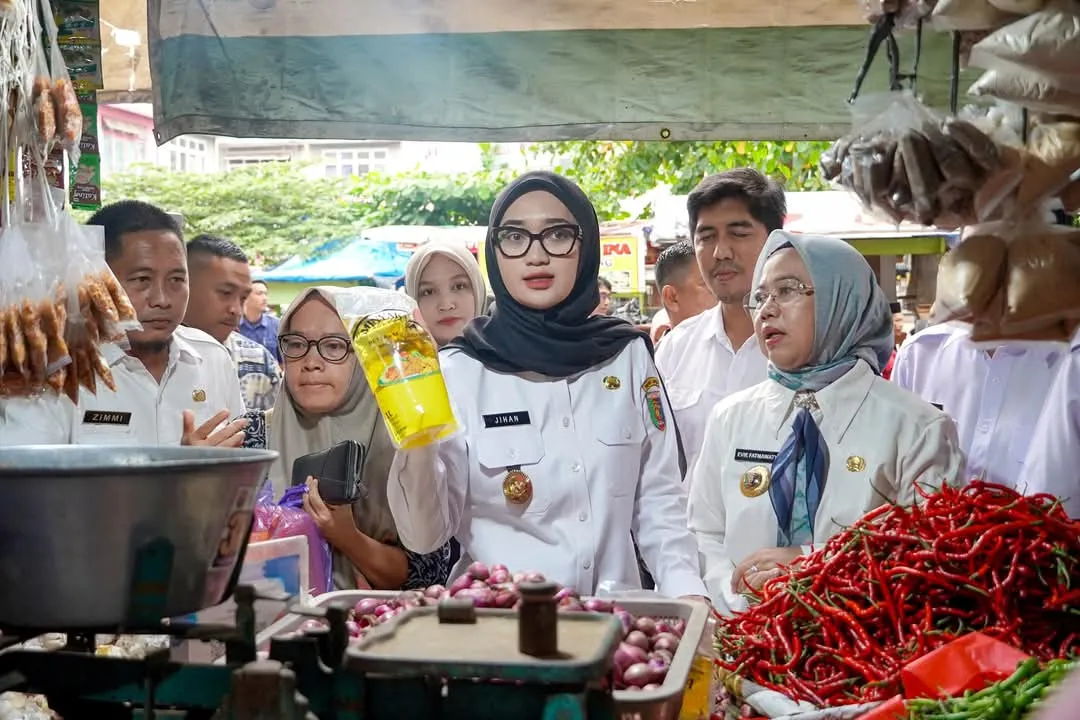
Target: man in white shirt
714	354
174	385
683	291
995	398
220	279
1054	452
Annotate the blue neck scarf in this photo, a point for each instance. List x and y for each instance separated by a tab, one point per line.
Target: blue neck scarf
852	322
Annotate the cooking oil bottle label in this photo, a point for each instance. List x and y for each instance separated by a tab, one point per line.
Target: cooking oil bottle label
697	696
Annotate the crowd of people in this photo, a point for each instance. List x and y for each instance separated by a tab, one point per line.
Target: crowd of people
780	404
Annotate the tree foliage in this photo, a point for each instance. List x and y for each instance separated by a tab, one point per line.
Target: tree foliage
276	210
612	171
420	198
271	210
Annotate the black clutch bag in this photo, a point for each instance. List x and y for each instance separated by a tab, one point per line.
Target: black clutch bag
339	472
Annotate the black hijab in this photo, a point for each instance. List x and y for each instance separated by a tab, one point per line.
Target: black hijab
560	341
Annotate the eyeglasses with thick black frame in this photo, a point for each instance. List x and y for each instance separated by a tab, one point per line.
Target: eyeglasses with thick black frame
516	242
331	348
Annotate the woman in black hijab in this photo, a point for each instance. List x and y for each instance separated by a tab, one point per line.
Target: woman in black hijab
567	448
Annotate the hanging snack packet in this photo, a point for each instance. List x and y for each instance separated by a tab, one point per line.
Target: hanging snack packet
911	164
78	20
970	275
26	305
1041	279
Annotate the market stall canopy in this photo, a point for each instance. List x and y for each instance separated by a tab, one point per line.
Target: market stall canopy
357	260
516	70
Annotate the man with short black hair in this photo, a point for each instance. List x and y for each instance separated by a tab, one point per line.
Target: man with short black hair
683	292
258	323
714	354
221	280
174	385
604	287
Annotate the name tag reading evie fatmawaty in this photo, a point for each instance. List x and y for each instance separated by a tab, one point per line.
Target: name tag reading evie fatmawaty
101	417
754	456
507	419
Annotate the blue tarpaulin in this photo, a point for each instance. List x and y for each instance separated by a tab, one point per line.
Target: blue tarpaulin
354	260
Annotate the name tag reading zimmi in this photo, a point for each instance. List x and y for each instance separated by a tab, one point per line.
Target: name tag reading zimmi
507	419
754	456
100	417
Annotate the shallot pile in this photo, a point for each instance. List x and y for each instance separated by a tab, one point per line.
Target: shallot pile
640	663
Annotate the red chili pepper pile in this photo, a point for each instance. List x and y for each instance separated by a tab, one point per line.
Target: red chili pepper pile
840	624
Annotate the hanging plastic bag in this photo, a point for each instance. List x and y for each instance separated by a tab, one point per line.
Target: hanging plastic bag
98	309
23	293
288	519
969	276
1054	150
1041	278
912	164
1013	281
69	119
1028	89
1045	44
951	15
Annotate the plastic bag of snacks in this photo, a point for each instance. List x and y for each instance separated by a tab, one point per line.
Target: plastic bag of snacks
1034	62
58	299
912	164
26	309
1013	281
98	309
1046	43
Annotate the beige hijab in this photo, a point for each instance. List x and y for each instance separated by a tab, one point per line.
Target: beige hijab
457	252
293	433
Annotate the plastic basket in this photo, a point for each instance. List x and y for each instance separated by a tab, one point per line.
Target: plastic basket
662	703
665	702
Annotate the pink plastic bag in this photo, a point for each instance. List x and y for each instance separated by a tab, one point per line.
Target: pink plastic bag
288	519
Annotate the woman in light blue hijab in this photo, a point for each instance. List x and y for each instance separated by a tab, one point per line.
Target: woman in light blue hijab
789	462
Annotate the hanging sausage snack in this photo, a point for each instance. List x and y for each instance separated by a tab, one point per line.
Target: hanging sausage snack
58	298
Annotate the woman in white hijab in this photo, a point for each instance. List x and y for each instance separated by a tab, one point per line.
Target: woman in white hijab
445	281
325	401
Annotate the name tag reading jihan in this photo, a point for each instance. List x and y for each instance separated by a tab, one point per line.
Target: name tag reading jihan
101	417
507	419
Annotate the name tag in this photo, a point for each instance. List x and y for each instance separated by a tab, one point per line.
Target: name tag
755	456
508	419
100	417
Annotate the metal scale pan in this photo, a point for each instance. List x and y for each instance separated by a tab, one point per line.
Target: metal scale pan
114	539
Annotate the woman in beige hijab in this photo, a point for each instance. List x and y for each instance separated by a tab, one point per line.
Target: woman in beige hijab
326	400
445	281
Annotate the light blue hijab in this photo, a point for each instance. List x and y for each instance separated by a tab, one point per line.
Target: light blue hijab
852	317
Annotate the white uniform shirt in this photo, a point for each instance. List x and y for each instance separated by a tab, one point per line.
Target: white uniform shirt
700	368
881	438
1054	452
199	376
995	401
601	467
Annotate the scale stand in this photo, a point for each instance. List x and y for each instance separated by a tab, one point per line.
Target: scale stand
264	690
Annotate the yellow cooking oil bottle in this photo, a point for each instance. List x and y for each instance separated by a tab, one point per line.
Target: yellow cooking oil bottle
401	363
